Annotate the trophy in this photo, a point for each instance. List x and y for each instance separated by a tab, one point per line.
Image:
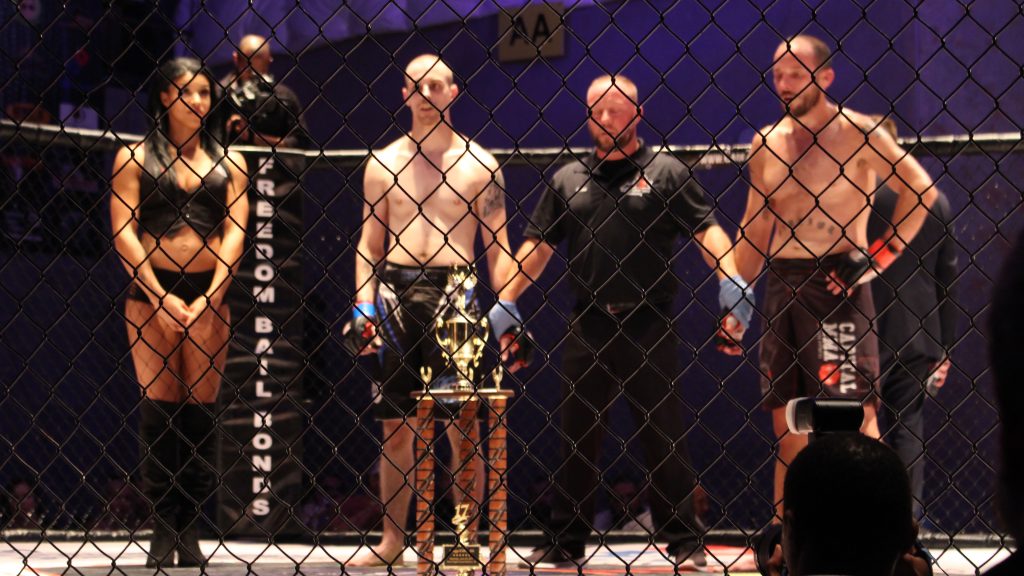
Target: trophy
462	337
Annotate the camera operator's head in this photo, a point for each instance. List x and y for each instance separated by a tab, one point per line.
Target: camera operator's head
252	57
261	111
847	508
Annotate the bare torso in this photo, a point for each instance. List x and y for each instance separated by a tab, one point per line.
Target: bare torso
186	251
819	192
430	202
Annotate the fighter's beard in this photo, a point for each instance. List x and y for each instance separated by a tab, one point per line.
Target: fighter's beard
799	109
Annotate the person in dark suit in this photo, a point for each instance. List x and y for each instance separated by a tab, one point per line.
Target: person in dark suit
916	324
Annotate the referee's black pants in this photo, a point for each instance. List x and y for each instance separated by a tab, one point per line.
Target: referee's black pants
903	395
633	356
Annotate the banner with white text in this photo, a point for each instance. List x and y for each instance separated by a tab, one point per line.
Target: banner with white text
261	418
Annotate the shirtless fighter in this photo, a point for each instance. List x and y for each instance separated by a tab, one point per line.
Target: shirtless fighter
812	177
426	196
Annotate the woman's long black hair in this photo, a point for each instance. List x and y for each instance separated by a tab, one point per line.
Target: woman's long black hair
157	146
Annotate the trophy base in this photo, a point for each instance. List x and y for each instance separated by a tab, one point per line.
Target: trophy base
461	559
457	396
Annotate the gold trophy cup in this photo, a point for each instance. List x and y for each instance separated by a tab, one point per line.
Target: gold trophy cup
459	334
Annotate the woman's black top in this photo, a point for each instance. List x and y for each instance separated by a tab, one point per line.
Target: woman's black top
165	208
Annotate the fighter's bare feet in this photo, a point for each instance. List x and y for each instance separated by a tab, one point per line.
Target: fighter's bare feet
378	556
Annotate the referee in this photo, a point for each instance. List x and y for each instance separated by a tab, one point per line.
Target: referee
915	299
620	212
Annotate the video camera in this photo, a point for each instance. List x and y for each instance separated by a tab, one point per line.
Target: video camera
259	108
816	417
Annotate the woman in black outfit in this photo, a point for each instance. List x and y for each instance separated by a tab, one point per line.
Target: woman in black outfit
178	210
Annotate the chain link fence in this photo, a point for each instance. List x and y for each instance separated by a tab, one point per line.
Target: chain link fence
300	450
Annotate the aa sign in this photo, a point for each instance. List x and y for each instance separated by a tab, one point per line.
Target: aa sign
533	31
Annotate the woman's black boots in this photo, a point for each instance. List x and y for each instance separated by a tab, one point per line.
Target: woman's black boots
179	457
198	478
159	465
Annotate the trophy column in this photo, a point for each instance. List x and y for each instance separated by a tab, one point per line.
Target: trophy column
497	502
465	479
464	557
424	482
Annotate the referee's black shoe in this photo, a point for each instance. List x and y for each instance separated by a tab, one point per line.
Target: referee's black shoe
691	551
552	556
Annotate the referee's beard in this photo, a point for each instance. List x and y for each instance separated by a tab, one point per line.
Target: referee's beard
606	143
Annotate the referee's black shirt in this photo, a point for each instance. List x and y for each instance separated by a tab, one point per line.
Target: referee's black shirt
621	220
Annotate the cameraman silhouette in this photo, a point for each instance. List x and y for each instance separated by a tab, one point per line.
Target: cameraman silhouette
847	508
261	111
847	502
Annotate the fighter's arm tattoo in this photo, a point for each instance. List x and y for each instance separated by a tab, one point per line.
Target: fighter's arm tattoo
493	197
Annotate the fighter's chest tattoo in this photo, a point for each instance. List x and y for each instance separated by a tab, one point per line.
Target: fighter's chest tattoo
821	223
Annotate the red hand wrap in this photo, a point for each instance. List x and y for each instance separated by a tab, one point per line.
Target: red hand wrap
883	253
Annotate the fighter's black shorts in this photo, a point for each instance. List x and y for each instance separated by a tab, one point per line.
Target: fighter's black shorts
409	302
815	343
185	285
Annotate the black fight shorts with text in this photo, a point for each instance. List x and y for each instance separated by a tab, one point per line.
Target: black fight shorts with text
815	343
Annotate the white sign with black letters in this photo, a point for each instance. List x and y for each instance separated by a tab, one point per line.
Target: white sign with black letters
533	31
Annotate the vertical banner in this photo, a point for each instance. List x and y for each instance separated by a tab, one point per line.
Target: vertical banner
261	420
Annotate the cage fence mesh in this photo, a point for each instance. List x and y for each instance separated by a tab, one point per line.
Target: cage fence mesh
75	93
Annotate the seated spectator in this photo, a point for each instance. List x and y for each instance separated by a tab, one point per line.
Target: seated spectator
321	503
1007	318
330	507
21	511
847	508
360	509
125	506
